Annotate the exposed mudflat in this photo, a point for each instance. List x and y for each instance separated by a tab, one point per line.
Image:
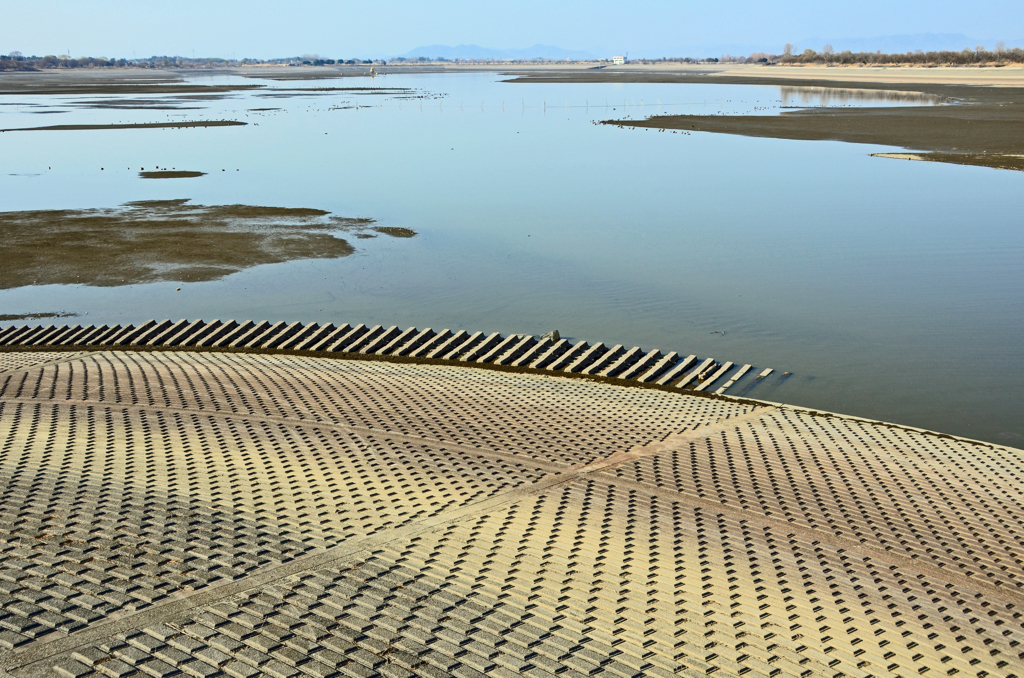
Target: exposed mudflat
395	231
170	174
124	82
162	240
138	125
45	86
7	317
982	128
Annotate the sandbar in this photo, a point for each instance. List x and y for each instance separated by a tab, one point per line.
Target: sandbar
139	125
982	128
170	174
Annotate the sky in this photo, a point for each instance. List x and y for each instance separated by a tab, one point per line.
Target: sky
341	29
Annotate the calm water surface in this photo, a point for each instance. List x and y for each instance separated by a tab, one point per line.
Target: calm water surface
890	289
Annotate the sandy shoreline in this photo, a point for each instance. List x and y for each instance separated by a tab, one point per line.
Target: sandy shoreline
1004	76
998	76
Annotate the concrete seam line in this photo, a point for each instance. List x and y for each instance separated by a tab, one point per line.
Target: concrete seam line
675	441
844	543
309	423
606	468
182	605
671	441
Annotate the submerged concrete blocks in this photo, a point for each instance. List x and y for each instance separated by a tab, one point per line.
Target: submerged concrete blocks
513	350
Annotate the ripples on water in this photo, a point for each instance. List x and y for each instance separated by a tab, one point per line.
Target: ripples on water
890	290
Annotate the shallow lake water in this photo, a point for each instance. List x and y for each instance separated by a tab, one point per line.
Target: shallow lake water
889	289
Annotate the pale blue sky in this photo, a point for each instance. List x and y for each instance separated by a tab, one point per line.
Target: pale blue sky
273	28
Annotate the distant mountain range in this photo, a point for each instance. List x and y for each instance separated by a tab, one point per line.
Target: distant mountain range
477	52
926	42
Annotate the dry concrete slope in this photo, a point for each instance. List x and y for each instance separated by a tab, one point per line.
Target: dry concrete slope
207	514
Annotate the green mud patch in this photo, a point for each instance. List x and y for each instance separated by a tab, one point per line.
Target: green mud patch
983	128
396	231
141	125
171	174
162	240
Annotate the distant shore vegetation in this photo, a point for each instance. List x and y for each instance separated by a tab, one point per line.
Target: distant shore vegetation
16	61
969	56
976	56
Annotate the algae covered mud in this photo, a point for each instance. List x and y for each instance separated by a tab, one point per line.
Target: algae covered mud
889	290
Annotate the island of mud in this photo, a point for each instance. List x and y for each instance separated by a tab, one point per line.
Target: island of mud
170	174
165	240
138	125
982	128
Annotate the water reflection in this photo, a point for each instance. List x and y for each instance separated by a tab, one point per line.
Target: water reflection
163	240
831	96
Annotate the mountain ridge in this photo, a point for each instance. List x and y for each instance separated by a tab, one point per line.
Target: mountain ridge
537	51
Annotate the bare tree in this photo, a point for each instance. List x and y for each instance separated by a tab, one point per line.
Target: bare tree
788	49
827	50
1000	47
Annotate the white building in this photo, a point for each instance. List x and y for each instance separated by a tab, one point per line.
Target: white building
618	60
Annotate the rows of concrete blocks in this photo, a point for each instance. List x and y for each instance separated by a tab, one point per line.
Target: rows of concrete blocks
516	350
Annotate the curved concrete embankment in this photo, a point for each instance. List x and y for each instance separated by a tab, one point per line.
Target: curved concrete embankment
515	351
189	512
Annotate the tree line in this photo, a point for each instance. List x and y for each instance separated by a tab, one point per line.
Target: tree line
967	57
